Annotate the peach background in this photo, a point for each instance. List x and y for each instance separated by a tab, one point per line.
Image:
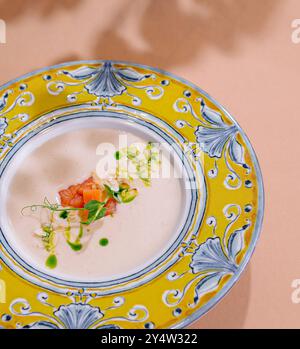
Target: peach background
240	51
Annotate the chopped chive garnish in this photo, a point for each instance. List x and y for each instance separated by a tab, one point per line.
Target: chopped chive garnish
127	195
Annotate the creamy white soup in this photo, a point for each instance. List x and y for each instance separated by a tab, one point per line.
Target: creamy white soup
118	244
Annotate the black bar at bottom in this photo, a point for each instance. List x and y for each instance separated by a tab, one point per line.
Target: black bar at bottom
132	338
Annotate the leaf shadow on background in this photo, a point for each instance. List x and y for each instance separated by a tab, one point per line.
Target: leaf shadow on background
18	8
173	31
159	33
231	311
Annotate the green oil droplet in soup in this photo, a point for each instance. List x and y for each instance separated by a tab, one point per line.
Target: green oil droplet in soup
75	246
51	261
103	242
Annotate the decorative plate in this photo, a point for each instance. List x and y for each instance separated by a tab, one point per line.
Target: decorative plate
221	226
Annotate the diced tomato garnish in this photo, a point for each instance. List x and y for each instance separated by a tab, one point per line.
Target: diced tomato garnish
80	194
73	195
84	214
92	194
110	206
88	184
76	201
67	195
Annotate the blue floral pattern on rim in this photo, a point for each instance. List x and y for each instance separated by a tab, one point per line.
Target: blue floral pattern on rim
105	81
78	314
212	139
